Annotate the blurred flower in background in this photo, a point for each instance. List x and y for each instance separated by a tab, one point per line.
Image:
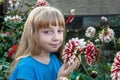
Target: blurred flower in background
90	32
15	18
14	3
115	69
106	35
12	51
104	19
94	74
42	3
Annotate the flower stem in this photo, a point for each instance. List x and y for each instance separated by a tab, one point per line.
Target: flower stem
115	45
85	69
103	60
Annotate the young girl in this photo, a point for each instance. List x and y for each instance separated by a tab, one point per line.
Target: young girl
38	55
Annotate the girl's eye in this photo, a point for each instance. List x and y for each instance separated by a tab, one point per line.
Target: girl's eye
45	31
48	32
60	30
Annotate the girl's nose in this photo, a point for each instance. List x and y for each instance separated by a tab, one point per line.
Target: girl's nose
56	36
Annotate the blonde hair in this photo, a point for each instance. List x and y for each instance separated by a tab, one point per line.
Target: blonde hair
39	17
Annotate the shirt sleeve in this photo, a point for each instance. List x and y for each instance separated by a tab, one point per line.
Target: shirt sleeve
23	72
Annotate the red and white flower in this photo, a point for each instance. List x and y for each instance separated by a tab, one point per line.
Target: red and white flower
90	32
72	49
106	35
42	3
92	54
115	69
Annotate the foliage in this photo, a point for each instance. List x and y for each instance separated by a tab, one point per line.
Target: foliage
2	1
10	34
107	48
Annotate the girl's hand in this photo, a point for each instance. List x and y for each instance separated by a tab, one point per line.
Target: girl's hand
67	70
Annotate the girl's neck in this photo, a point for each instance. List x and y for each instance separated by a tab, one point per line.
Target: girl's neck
44	54
43	58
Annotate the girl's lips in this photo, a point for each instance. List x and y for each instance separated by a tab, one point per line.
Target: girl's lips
54	45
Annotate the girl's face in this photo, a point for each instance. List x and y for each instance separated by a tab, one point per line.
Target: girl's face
51	38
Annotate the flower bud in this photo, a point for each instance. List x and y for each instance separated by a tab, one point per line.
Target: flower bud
93	74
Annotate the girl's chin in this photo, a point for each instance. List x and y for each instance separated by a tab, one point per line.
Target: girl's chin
54	50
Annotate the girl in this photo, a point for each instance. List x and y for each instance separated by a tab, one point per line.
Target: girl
38	55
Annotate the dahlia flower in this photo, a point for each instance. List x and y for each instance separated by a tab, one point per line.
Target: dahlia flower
15	18
72	49
5	34
115	69
104	19
92	54
42	3
7	18
90	32
94	74
12	50
106	35
14	3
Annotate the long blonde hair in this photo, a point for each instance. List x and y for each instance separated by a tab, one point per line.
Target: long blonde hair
39	17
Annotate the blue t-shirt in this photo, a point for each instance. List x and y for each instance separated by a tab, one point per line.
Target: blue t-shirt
30	69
